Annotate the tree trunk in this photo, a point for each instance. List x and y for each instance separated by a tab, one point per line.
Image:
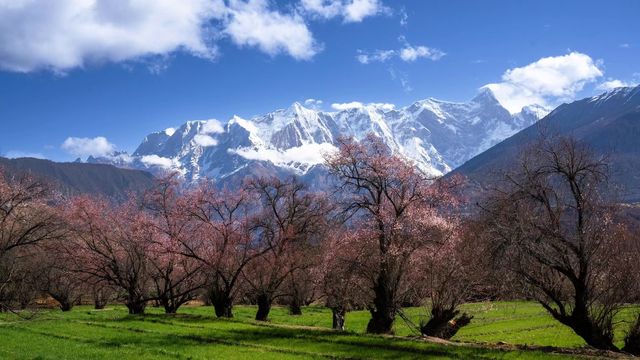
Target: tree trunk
600	336
136	309
383	312
264	306
170	306
221	301
99	299
592	334
170	309
223	306
632	339
136	306
443	323
65	305
99	305
295	308
64	302
339	315
24	303
381	322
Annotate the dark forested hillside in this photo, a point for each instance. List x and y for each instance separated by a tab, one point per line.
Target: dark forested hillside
80	178
609	124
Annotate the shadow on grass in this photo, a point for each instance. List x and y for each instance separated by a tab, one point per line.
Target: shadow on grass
263	337
291	340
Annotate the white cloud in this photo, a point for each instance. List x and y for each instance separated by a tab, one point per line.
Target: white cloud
383	106
309	154
410	53
60	35
313	104
13	154
163	162
205	140
404	17
357	10
98	146
625	46
348	10
322	8
611	84
64	34
209	127
546	82
212	126
407	53
376	56
402	77
359	105
253	23
347	106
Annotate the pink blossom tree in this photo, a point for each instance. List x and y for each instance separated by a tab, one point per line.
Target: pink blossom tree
448	273
398	209
27	220
176	278
341	278
111	244
222	241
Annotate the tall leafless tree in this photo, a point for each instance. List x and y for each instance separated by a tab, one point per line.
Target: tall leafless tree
289	225
550	225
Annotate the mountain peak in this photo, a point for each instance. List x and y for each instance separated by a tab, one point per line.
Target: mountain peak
617	93
298	109
485	95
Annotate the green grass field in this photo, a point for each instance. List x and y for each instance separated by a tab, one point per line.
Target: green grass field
195	333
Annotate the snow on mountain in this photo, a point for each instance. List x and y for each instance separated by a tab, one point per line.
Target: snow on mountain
436	135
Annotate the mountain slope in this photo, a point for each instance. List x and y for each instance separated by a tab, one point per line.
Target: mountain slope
437	135
78	178
609	123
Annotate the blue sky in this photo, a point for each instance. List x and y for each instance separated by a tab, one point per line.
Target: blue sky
68	69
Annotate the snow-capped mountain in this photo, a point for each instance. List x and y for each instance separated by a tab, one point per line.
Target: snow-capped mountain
436	135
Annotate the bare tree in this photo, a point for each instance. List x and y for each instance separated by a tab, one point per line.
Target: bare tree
632	265
101	293
300	287
52	273
288	227
551	227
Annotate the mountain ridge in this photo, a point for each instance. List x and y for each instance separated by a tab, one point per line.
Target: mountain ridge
73	178
608	123
436	135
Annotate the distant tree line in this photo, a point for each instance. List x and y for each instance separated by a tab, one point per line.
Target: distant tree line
385	237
